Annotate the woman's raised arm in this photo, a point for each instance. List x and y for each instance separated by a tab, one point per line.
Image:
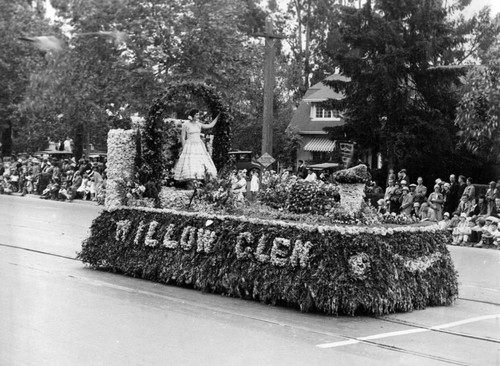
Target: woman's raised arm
210	125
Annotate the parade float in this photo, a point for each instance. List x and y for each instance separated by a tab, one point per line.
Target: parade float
338	263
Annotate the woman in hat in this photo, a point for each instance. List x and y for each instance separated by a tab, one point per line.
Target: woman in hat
435	201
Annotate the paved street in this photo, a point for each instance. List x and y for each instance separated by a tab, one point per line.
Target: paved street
55	311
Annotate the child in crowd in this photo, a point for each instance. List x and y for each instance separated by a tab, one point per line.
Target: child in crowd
462	231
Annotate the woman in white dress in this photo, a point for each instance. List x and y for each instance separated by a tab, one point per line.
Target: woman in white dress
194	161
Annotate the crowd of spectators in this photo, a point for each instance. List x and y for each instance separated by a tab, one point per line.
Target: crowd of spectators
471	218
62	180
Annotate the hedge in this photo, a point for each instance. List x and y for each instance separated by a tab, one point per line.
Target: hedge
328	269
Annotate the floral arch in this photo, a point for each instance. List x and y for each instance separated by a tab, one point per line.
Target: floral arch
158	136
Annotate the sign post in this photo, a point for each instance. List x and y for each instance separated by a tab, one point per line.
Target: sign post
266	160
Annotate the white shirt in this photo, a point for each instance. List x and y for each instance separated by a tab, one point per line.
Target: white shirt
254	184
311	177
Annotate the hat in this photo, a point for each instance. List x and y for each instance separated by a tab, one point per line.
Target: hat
437	186
413	185
492	219
446	214
402	171
463	214
439	181
447	184
403	182
405	188
416	204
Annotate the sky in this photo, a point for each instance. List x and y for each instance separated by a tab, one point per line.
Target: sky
477	5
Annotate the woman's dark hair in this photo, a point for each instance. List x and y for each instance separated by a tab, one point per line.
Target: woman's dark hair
192	112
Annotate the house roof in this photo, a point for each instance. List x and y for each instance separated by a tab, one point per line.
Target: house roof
320	92
301	120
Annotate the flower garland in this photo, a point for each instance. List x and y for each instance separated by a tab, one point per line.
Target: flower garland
359	264
277	253
300	254
149	241
122	229
188	232
242	239
138	235
167	240
263	258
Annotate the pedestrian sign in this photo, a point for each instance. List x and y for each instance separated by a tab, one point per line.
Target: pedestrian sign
266	160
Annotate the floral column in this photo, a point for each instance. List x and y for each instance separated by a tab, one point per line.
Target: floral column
352	183
120	165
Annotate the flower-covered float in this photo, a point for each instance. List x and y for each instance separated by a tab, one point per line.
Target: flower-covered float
306	251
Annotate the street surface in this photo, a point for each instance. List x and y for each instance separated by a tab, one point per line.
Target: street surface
55	311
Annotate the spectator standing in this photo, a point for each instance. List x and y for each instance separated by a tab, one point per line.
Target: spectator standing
302	170
469	191
420	191
254	186
395	204
391	176
453	197
490	198
406	200
448	204
461	187
403	176
435	202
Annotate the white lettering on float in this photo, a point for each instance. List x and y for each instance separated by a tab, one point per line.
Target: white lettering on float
282	252
168	242
122	229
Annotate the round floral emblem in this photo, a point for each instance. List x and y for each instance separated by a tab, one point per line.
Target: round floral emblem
359	263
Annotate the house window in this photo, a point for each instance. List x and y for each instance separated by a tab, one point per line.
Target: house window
322	113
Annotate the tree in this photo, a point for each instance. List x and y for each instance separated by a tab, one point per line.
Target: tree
478	113
17	61
400	100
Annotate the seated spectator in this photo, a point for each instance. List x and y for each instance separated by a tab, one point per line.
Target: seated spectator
445	223
464	206
477	231
415	210
462	231
491	235
479	207
63	194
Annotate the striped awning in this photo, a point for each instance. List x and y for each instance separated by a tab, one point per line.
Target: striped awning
320	144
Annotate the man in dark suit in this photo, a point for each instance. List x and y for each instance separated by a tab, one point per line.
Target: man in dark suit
302	170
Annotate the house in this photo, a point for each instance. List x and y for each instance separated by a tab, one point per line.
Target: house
310	119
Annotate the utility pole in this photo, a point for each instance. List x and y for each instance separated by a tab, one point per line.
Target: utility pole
269	81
